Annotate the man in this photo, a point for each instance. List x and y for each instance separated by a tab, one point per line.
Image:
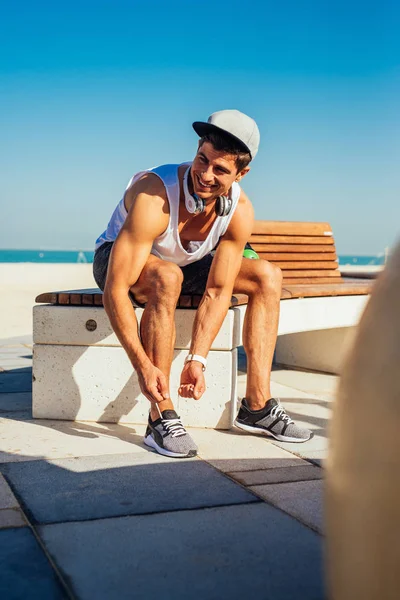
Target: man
159	243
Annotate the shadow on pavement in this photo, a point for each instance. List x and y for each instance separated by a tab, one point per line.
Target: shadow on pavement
140	525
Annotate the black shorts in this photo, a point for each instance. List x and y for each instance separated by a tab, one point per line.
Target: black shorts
195	275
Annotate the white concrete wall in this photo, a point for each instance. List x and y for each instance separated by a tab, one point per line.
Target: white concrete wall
314	333
312	314
323	350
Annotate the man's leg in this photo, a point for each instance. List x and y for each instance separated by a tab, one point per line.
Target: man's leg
159	287
259	413
262	282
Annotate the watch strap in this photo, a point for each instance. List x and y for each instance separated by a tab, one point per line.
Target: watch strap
197	357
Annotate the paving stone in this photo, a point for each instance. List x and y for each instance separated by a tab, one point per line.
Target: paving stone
16	361
316	453
320	384
16	415
319	441
302	499
279	475
5	346
29	440
106	486
317	457
17	401
233	552
7	498
25	573
236	450
15	382
11	517
16	368
21	340
12	352
15	352
317	411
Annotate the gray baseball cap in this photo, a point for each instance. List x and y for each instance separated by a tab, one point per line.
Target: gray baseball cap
237	125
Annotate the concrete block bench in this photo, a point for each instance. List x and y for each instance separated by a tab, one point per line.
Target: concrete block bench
80	371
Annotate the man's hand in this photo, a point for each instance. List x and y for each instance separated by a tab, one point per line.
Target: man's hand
153	384
193	384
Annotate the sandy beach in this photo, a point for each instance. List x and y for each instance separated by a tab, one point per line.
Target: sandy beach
20	283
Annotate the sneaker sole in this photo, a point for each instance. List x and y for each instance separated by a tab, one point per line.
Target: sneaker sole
150	441
277	436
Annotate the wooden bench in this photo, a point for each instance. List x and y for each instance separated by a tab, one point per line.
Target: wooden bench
313	333
306	254
81	371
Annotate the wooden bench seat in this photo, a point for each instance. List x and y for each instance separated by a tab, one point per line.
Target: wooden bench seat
94	296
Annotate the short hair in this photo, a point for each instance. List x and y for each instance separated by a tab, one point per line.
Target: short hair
224	143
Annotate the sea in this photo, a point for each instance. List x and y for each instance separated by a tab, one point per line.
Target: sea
86	256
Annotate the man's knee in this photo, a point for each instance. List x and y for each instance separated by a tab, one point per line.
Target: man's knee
161	281
268	277
166	280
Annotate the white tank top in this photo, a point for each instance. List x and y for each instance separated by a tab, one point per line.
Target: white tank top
168	245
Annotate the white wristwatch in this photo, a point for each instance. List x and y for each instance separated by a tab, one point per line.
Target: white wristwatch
197	357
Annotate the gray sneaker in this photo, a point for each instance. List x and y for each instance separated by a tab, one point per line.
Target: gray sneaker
271	420
168	436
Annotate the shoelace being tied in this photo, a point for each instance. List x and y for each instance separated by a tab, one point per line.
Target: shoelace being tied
279	412
173	427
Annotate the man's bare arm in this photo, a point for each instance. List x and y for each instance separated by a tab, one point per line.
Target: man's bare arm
224	270
146	220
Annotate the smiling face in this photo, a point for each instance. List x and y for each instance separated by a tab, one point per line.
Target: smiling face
213	172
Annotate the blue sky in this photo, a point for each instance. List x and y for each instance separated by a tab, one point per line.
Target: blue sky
91	92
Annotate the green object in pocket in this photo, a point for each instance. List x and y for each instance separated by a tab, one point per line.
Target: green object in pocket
249	253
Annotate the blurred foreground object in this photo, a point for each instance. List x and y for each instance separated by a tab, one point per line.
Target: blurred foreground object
363	471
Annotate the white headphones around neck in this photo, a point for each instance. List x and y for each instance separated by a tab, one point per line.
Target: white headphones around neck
196	205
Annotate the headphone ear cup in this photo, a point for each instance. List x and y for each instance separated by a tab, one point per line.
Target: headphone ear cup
194	204
200	205
223	206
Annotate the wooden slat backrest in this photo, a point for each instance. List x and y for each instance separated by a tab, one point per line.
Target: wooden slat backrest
292	228
304	251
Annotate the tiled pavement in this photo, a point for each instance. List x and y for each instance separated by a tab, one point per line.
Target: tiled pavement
87	511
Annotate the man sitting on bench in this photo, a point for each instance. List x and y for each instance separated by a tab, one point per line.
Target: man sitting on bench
182	229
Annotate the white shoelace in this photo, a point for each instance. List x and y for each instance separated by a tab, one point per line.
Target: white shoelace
173	427
279	412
